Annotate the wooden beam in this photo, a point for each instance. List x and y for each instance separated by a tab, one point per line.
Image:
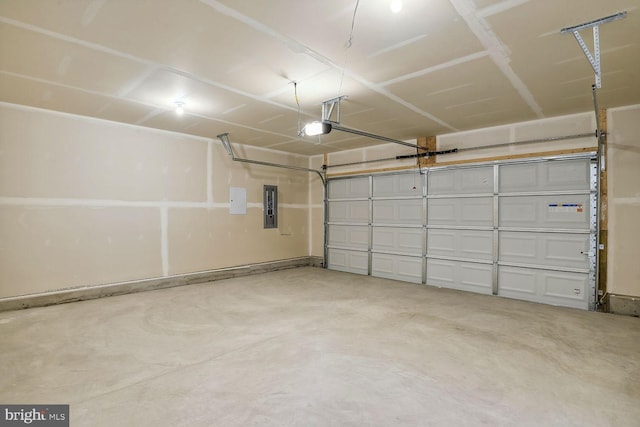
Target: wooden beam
603	236
604	217
429	144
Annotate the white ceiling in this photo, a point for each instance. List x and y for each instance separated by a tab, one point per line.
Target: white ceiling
435	67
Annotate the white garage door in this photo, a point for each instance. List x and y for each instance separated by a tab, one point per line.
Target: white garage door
546	232
460	228
397	247
522	230
348	230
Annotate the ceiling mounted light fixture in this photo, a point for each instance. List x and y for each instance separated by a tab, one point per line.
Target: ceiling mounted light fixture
316	128
179	108
396	6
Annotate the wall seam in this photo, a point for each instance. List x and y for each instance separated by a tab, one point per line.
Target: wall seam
210	172
100	203
164	239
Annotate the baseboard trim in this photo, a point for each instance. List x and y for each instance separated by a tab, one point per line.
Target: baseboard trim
625	305
316	261
112	289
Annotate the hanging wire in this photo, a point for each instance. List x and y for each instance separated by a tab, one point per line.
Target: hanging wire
348	45
295	94
353	23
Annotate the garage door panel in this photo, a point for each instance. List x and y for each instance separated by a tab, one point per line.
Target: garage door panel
518	247
442	211
562	286
351	188
349	212
464	276
408	269
524	177
442	242
473	244
405	240
356	237
564	212
545	249
398	211
476	244
476	277
397	185
441	182
519	212
348	261
550	287
476	211
517	282
476	180
565	175
461	181
471	211
567	250
441	273
568	175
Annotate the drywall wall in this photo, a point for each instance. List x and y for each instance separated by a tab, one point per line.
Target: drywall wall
623	166
86	202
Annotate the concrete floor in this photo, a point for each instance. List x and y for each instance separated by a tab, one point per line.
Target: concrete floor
310	347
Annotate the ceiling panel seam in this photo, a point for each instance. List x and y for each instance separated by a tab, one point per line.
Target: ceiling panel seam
497	50
286	89
24	107
590	77
150	115
396	46
136	81
500	7
232	109
475	101
332	144
449	89
438	67
602	53
298	47
486	113
114	52
162	108
63	37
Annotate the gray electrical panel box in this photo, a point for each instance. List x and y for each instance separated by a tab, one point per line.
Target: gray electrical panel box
270	200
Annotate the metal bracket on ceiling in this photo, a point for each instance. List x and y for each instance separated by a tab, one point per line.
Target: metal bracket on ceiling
331	106
331	116
594	59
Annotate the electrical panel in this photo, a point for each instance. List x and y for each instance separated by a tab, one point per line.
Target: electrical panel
237	201
270	200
